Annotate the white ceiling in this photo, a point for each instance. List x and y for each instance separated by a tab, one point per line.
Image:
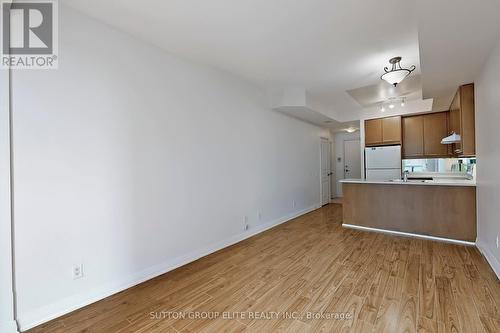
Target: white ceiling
456	37
325	46
372	95
328	47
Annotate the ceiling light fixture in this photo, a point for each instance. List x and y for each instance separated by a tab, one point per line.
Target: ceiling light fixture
396	74
350	130
392	102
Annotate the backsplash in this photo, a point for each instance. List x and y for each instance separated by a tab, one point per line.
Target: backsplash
441	165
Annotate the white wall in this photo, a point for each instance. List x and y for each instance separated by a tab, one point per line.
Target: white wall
132	162
339	139
487	100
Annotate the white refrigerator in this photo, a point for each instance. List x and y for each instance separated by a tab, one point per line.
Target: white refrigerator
383	163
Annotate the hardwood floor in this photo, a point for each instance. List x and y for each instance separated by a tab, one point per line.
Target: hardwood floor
309	265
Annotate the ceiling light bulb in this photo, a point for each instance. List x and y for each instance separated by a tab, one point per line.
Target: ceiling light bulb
402	103
391	106
382	109
350	130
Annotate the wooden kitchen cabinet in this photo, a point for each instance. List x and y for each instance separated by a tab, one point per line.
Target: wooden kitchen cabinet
383	131
455	114
422	135
391	130
462	120
440	211
373	132
413	136
435	129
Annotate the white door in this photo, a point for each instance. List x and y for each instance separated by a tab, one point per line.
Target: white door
352	162
352	159
325	172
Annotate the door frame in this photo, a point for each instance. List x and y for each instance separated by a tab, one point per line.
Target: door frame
8	309
329	141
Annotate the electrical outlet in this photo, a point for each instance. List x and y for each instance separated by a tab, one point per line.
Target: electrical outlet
294	204
245	224
77	271
497	242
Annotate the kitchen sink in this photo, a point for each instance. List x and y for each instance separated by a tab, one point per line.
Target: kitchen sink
409	181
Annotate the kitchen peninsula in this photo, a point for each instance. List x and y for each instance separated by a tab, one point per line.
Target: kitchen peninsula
444	208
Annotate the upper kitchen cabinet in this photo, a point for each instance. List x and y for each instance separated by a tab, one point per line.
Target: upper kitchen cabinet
462	120
435	128
413	136
422	135
384	131
373	132
391	130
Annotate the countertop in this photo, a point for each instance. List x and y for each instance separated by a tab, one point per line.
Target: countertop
434	182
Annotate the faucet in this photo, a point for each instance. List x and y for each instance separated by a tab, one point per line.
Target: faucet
405	175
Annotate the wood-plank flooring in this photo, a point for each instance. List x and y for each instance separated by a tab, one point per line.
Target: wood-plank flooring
309	265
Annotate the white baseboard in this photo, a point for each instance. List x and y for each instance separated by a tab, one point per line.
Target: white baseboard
490	258
64	306
408	234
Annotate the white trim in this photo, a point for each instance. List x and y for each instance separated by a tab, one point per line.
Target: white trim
327	140
64	306
490	258
7	280
401	233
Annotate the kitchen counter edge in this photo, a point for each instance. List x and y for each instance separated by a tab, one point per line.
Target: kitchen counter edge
427	183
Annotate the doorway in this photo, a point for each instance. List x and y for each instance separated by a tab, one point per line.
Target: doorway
352	161
325	171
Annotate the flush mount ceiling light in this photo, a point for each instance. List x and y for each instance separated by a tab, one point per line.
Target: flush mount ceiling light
391	103
350	130
396	74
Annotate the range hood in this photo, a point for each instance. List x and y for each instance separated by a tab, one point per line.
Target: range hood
453	138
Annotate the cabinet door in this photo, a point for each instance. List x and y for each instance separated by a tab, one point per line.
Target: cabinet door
435	129
373	132
391	130
455	120
413	136
467	120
